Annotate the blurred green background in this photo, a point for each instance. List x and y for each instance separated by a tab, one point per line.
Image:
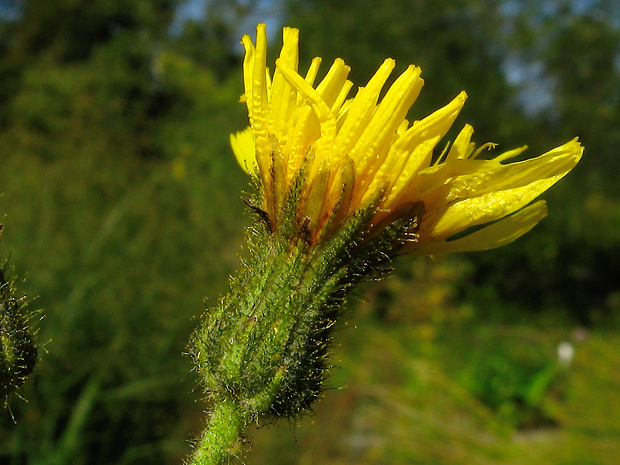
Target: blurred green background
122	213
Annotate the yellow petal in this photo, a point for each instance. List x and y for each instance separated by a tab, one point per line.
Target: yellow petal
387	118
495	235
243	147
360	111
462	145
313	70
341	98
259	104
284	96
413	151
326	119
454	218
332	84
248	70
476	191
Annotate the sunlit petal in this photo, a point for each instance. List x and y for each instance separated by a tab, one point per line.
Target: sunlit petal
337	156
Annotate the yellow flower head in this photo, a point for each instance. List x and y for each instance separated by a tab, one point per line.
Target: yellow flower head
343	155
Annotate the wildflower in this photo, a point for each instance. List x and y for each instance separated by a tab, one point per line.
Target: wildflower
343	155
344	185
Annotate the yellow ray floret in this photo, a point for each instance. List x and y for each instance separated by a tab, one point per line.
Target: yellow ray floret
346	152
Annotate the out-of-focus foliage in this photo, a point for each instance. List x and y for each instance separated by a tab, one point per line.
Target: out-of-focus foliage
571	261
401	403
116	184
122	211
69	30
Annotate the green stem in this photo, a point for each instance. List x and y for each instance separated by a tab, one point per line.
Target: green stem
261	352
221	440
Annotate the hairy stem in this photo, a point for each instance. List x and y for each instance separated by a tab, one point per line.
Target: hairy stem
222	439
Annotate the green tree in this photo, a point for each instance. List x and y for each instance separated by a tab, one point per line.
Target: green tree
573	261
71	29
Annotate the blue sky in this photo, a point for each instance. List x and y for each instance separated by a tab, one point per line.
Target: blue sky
9	10
265	11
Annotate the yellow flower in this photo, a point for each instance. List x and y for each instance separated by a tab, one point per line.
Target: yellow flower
346	154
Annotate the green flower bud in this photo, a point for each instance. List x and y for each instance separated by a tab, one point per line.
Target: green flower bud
18	352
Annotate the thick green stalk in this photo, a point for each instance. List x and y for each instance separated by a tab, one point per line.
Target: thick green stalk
221	439
261	353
